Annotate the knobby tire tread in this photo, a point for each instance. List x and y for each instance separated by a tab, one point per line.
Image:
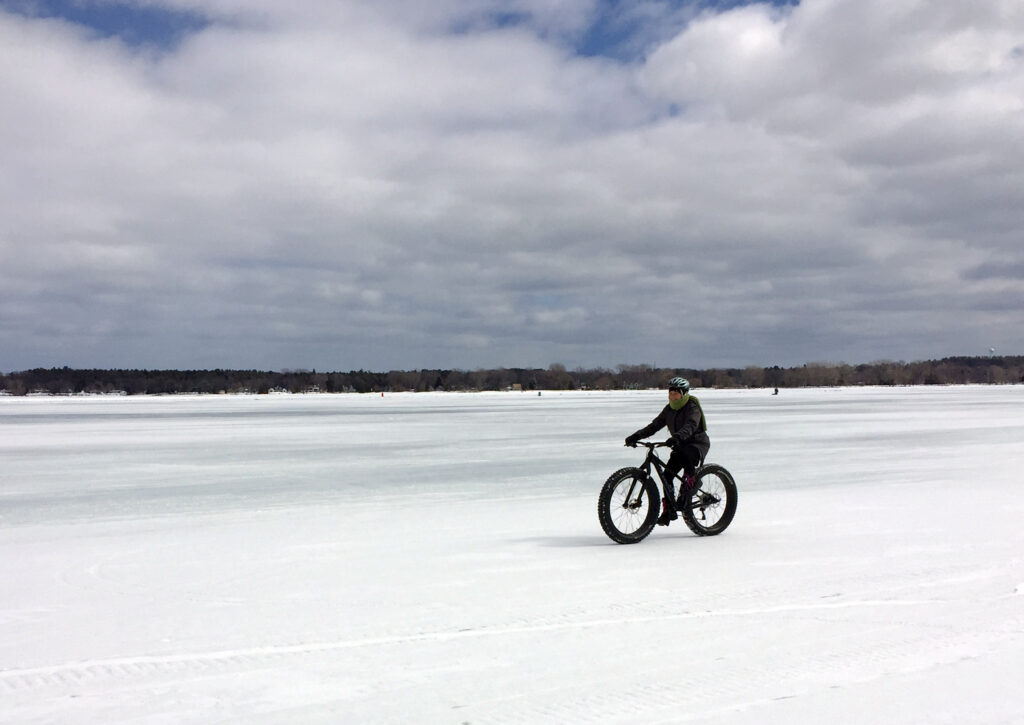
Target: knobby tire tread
604	506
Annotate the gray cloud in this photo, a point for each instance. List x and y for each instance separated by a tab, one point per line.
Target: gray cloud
395	185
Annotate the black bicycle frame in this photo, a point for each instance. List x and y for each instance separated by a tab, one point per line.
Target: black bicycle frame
652	461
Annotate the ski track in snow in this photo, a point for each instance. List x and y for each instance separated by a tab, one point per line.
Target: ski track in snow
16	678
744	684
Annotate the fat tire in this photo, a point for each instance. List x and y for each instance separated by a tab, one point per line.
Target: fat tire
604	513
731	496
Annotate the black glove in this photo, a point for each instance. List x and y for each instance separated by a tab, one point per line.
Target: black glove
672	442
631	440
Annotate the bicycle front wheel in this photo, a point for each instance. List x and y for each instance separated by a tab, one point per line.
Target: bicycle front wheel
628	506
712	506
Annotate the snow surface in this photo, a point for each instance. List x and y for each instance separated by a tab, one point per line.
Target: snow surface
437	558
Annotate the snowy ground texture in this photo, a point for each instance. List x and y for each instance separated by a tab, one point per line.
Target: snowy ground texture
437	558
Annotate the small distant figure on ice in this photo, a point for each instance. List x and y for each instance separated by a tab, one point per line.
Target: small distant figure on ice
776	391
687	427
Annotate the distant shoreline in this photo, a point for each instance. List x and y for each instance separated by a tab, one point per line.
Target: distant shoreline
994	370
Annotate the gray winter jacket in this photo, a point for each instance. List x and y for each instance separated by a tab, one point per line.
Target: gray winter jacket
685	425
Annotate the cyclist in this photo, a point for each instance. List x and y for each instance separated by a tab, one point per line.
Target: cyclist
689	440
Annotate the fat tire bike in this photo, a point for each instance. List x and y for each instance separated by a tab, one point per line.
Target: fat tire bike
630	500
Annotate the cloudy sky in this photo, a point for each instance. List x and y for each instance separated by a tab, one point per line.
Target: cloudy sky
479	183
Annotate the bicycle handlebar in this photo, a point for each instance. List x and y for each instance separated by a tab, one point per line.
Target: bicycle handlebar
648	444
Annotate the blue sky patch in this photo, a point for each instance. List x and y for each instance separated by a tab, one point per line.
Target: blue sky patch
133	24
617	30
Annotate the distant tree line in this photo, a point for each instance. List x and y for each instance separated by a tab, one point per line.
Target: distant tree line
953	370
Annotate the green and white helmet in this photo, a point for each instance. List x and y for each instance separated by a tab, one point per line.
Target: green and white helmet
680	384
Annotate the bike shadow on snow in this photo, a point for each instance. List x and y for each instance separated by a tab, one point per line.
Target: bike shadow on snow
579	542
569	542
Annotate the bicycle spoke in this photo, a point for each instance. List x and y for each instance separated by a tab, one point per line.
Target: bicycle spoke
627	508
709	509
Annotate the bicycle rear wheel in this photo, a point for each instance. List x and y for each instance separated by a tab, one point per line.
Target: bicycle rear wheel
628	506
713	504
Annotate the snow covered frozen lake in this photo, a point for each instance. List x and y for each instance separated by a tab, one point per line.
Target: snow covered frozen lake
437	558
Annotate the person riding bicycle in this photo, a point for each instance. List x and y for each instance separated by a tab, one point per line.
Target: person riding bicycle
689	440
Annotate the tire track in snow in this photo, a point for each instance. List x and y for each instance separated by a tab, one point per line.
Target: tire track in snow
128	667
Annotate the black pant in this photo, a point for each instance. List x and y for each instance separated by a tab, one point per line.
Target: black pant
685	458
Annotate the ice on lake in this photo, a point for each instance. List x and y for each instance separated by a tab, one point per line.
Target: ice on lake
437	558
